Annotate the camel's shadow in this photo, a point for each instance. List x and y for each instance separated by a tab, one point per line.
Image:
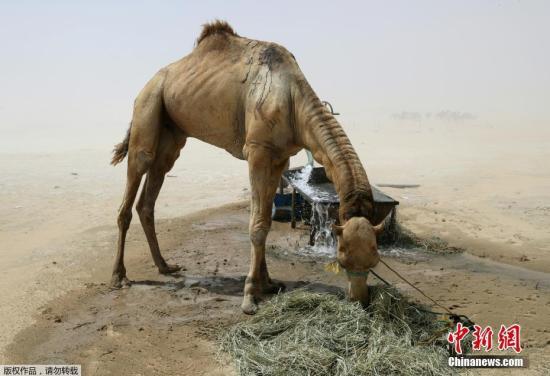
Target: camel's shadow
232	286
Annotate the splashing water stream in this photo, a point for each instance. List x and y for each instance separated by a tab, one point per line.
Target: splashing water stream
325	243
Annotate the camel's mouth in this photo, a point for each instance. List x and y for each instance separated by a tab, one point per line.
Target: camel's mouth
358	289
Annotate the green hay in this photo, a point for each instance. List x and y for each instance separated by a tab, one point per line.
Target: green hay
307	333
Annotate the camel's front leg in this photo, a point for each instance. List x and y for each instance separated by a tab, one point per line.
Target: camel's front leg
265	173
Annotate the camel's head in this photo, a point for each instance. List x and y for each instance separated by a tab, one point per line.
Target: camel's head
357	253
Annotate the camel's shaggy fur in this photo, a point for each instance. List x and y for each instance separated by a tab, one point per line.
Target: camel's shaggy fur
216	27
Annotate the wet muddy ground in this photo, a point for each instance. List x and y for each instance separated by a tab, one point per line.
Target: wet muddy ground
169	324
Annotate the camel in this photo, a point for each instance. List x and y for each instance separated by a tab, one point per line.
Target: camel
250	98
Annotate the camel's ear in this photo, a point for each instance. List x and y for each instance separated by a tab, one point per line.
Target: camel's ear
379	228
338	229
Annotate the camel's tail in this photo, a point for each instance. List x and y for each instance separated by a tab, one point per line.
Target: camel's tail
120	150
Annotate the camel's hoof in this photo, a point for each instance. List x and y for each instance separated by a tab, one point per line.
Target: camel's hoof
169	269
249	306
118	282
273	287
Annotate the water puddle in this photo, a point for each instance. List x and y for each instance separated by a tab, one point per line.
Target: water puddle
408	254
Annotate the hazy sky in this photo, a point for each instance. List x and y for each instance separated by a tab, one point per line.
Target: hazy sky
69	70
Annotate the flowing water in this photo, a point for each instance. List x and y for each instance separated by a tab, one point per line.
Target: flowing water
325	243
302	181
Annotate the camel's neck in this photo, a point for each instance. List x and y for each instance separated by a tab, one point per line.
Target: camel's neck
318	131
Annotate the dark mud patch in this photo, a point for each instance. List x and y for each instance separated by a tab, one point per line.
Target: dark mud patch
170	325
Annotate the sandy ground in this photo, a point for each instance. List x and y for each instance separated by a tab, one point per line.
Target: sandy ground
168	325
49	202
484	190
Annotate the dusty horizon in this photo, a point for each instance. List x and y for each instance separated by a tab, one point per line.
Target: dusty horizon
70	72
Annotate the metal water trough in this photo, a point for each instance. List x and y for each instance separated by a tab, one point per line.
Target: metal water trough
301	202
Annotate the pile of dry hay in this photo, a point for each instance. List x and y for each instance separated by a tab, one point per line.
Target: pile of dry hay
307	333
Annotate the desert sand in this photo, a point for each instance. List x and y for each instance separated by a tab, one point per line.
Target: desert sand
482	189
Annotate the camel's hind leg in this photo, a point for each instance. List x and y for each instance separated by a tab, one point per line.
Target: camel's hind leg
144	135
138	164
168	151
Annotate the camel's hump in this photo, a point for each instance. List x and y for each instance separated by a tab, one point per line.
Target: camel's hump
216	27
